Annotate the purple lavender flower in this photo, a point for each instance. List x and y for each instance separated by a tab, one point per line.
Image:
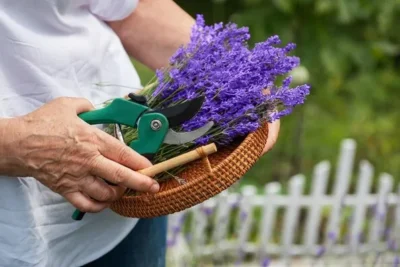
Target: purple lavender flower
320	252
392	245
208	211
240	257
380	214
265	262
386	232
218	64
171	242
236	204
176	229
332	236
396	261
243	215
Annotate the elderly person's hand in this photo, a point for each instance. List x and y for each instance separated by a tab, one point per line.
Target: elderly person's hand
71	157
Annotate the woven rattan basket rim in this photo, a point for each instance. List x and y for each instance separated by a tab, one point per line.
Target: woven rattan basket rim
120	205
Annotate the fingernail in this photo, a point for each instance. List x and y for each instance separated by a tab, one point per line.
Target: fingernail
155	188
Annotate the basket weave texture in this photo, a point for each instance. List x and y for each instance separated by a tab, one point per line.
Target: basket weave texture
204	179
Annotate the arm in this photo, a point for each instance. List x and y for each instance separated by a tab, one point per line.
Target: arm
4	127
154	31
10	132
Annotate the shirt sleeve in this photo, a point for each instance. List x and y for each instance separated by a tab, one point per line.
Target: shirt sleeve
111	10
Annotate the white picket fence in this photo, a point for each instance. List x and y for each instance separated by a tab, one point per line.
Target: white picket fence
267	225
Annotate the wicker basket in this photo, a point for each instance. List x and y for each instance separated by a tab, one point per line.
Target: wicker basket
204	179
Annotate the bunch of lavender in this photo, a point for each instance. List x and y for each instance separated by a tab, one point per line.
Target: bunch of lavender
240	84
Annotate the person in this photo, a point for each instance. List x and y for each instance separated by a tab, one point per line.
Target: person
53	55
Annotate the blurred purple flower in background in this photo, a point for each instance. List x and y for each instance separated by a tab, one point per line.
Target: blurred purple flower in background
240	257
243	215
332	236
386	232
265	262
171	242
392	245
236	204
320	252
207	211
396	262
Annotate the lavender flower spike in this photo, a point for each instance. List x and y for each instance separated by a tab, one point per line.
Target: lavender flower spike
266	262
218	64
321	251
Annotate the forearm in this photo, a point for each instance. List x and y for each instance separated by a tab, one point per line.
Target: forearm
154	31
7	132
4	124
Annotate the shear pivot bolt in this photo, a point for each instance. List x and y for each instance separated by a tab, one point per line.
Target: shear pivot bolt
156	125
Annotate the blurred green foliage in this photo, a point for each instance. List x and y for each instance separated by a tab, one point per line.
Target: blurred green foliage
352	51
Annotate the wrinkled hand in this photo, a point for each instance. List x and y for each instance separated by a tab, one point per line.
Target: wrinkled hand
69	156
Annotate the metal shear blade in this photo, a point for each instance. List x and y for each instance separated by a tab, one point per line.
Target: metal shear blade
178	138
118	133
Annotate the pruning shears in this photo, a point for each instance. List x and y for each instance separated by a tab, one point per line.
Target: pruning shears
153	125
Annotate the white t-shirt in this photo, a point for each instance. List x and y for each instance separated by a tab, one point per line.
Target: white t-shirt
49	49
